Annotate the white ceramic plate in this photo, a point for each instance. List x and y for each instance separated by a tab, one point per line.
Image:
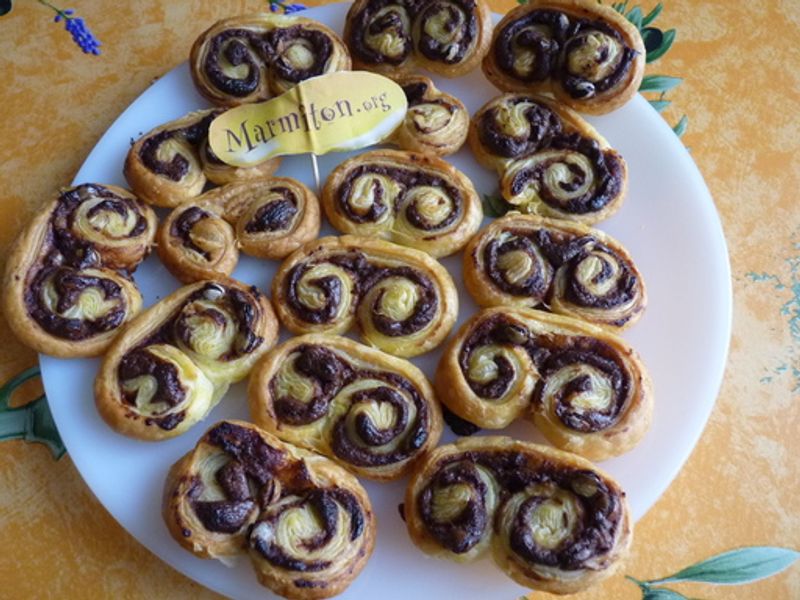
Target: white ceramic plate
668	223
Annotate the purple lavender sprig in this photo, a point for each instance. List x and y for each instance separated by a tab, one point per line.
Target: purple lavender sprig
280	5
77	28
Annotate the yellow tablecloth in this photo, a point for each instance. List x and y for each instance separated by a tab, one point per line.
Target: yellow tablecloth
741	486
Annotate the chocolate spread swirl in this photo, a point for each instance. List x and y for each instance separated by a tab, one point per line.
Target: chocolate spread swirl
460	25
178	167
169	390
417	95
543	126
365	275
606	176
552	36
182	226
330	372
600	514
66	255
275	215
281	38
550	353
408	179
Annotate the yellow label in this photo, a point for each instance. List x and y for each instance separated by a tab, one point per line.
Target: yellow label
340	111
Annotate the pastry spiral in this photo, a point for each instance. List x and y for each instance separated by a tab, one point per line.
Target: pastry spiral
175	361
585	389
266	218
551	162
553	521
174	162
67	289
247	59
396	37
585	54
528	262
372	413
436	122
404	302
411	199
306	523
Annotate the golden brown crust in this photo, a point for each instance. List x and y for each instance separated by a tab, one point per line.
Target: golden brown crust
374	414
436	122
172	163
228	496
585	389
398	48
580	66
266	218
280	51
403	301
528	262
64	290
503	487
423	201
175	361
551	162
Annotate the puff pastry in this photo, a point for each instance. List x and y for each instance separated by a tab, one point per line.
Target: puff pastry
436	122
528	261
585	389
551	162
174	163
396	37
306	523
590	57
552	521
253	57
175	361
404	301
66	288
408	198
266	218
371	412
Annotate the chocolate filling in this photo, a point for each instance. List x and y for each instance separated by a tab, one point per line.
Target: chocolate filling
241	47
275	215
600	513
543	126
366	23
178	167
181	228
408	179
606	176
538	282
279	40
549	353
461	24
331	373
169	390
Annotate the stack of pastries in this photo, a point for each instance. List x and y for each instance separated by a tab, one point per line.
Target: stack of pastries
554	294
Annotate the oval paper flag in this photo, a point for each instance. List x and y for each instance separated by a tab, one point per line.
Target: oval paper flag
340	111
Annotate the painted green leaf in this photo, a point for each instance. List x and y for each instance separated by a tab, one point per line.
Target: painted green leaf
620	7
635	17
651	16
5	7
743	565
666	43
680	126
659	83
662	594
494	205
660	105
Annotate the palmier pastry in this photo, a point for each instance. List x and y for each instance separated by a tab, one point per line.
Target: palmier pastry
266	218
551	162
66	289
587	55
585	389
396	37
436	122
404	301
248	59
411	199
174	162
306	523
554	522
372	413
175	361
528	261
